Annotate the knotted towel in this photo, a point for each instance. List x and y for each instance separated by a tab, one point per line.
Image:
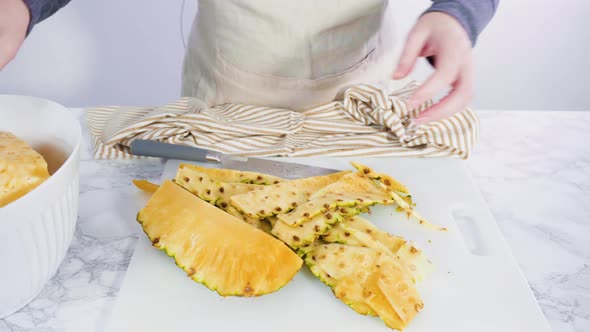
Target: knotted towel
367	122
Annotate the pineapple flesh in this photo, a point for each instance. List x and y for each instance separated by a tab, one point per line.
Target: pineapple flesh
213	247
22	169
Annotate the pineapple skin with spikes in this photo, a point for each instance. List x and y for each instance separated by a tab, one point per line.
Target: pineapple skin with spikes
215	248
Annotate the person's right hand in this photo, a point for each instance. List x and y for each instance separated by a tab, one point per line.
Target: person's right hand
14	22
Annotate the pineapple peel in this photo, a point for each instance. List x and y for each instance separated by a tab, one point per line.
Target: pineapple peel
398	192
281	197
218	193
174	218
352	190
233	176
307	233
367	280
372	271
145	186
356	231
213	191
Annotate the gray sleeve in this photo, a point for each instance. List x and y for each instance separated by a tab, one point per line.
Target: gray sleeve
473	15
42	9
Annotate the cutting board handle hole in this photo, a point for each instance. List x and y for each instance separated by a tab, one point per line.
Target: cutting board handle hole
471	234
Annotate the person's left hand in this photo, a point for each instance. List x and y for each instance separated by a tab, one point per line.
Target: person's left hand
14	20
441	36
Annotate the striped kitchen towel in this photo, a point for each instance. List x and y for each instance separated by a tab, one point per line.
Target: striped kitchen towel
367	122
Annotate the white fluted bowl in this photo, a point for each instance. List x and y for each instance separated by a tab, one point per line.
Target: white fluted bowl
36	230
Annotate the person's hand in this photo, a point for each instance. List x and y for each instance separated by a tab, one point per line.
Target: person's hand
14	22
441	36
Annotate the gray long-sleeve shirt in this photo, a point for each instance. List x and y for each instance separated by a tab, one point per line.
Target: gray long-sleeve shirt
473	15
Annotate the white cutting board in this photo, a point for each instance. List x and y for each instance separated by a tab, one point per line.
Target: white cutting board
476	286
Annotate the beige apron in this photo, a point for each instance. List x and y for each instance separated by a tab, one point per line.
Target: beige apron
287	54
277	58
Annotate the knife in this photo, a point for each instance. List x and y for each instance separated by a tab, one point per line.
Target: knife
285	170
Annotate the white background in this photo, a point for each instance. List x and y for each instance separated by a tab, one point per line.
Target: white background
533	55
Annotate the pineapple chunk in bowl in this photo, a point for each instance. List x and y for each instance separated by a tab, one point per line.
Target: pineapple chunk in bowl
36	229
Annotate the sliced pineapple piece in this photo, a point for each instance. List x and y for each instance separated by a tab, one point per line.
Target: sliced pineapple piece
282	197
364	277
234	176
22	169
352	190
215	248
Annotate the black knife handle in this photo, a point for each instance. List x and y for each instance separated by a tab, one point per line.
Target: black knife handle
148	148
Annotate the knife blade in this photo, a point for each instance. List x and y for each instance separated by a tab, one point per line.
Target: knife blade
285	170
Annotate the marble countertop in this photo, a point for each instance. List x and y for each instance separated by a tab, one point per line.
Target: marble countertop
533	169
